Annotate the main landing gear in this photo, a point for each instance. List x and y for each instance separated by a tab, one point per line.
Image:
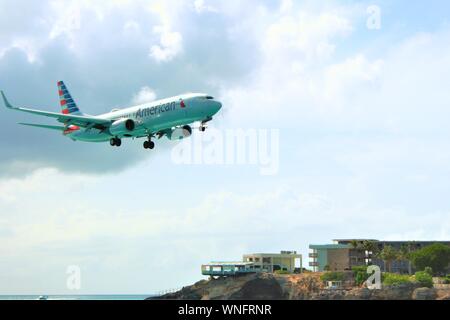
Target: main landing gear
149	144
203	127
115	142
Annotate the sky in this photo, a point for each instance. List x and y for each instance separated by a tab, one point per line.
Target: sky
348	102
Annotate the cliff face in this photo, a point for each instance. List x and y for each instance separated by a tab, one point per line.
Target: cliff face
263	286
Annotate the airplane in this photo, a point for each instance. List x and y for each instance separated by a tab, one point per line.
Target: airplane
171	117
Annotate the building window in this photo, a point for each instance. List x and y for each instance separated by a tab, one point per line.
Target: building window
266	260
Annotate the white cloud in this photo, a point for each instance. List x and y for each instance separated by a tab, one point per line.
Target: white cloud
170	41
297	47
200	6
145	94
306	34
286	6
27	45
132	26
302	81
68	20
170	44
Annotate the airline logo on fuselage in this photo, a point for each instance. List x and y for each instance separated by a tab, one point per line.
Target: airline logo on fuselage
146	112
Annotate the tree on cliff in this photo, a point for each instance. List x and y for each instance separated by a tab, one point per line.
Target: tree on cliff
388	255
435	256
355	244
404	254
371	249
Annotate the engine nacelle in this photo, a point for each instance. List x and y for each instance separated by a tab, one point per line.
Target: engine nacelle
122	127
180	133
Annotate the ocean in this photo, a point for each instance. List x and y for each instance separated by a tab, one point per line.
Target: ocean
78	297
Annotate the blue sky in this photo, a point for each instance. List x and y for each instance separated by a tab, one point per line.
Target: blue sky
361	114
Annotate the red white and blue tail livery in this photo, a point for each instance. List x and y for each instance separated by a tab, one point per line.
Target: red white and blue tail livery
68	106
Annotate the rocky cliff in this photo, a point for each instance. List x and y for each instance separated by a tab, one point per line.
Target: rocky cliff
264	286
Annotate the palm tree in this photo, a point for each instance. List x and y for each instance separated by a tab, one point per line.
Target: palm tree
371	249
405	254
388	254
354	244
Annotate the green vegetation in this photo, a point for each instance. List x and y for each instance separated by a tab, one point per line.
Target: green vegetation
332	276
301	270
447	279
424	278
354	244
388	254
404	254
281	272
392	279
360	274
436	256
429	271
370	246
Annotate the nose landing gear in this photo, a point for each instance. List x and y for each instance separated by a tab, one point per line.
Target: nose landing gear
203	124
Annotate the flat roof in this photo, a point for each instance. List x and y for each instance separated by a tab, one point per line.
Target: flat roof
273	254
329	246
228	263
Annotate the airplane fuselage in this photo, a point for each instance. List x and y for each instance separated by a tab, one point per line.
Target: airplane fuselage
152	117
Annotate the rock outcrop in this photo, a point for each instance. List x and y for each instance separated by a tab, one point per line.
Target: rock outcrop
424	294
308	286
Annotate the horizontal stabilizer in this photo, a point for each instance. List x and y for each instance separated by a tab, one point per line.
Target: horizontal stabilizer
7	104
73	119
60	128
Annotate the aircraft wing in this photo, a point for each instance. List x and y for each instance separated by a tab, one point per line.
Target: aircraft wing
82	121
44	126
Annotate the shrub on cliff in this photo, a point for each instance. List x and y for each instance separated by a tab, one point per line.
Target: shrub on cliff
281	272
360	274
332	276
447	279
392	279
429	271
424	278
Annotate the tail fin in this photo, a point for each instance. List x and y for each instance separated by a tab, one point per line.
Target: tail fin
68	106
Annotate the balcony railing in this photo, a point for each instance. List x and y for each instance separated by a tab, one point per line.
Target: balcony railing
313	255
314	264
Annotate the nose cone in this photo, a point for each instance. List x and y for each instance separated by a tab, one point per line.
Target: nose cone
216	106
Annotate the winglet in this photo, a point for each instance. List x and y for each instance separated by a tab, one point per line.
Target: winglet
7	104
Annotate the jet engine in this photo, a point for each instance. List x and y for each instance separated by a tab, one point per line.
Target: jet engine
122	127
180	133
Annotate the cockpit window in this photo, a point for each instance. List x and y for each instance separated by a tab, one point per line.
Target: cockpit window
209	97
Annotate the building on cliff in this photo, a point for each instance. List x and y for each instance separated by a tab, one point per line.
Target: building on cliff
288	261
343	254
